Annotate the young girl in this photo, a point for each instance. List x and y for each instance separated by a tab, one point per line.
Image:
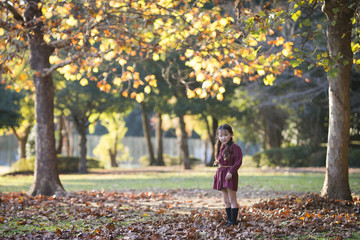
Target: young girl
228	156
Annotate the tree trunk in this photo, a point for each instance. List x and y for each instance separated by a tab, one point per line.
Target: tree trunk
183	142
83	152
274	122
71	137
46	177
339	27
113	154
159	142
147	135
81	123
22	140
60	134
212	137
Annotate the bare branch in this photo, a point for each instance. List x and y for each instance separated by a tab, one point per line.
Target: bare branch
60	43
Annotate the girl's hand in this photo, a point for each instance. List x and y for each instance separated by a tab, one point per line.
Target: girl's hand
228	176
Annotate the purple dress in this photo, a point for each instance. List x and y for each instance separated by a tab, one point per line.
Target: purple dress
232	165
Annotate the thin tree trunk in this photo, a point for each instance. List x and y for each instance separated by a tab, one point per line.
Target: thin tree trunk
60	134
206	143
46	176
159	138
71	137
83	151
339	27
113	154
81	123
183	142
147	135
22	140
212	137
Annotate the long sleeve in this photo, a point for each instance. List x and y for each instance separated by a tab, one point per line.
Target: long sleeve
237	158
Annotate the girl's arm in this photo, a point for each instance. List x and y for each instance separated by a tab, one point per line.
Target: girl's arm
237	155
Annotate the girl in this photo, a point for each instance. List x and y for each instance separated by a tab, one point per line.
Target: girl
228	156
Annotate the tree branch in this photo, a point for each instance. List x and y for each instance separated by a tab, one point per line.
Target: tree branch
60	43
48	71
15	13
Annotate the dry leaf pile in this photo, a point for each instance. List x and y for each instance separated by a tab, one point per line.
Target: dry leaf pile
118	215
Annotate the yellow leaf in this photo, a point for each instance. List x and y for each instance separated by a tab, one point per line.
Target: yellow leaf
130	68
236	80
221	89
140	97
109	56
83	82
189	53
72	21
122	62
269	80
23	77
286	52
117	81
147	89
190	93
261	72
145	215
156	57
219	97
223	22
200	77
2	31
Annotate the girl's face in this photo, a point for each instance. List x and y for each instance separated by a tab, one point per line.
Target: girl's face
224	136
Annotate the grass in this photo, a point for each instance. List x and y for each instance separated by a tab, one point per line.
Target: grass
251	179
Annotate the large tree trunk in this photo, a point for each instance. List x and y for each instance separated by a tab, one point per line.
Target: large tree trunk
159	142
183	143
46	177
147	135
336	184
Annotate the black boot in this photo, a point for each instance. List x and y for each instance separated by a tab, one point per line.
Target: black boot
228	213
234	214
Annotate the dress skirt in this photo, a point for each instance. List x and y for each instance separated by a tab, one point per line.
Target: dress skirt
221	183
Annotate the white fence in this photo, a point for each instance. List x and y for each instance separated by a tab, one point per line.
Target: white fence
135	145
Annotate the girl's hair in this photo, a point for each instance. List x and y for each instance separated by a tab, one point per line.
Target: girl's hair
218	143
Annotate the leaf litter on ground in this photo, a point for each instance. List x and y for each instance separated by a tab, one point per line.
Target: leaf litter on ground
125	215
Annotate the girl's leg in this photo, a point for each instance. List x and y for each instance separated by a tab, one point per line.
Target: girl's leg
232	198
234	206
226	197
227	206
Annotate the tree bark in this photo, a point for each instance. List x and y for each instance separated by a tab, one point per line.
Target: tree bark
339	27
147	135
113	154
159	142
46	177
212	137
22	140
60	134
274	123
183	142
81	124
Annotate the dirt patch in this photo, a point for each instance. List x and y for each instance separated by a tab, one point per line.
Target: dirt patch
186	200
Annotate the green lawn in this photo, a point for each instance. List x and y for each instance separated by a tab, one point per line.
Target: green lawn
195	179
